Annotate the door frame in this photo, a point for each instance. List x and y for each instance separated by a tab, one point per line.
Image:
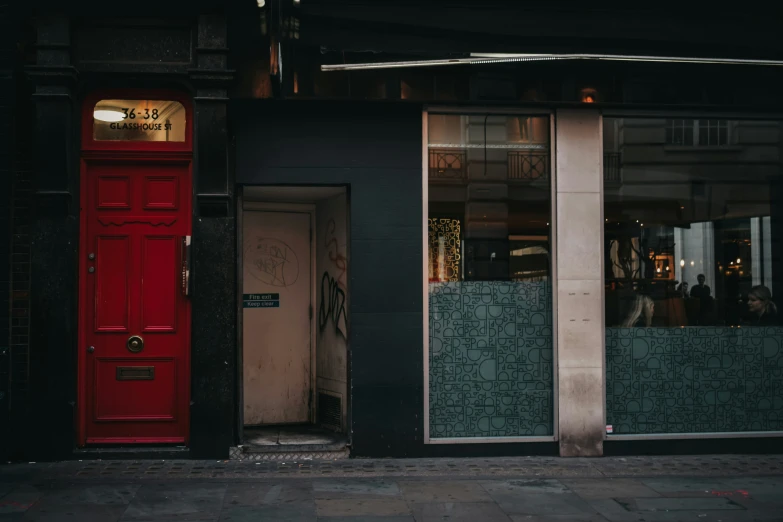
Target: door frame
287	208
142	153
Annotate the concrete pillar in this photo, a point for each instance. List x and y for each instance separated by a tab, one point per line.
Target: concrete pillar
580	308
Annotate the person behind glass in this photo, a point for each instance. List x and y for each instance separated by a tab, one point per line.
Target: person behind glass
683	289
700	291
763	311
640	313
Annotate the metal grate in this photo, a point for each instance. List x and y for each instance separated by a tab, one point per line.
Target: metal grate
330	410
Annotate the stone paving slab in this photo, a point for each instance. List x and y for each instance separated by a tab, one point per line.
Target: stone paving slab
610	488
681	504
50	512
351	507
298	512
173	502
19	499
444	491
359	489
536	497
459	512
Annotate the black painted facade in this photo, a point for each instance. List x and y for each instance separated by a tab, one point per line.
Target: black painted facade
351	130
8	96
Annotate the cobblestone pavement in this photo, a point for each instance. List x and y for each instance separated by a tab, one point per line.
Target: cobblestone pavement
704	488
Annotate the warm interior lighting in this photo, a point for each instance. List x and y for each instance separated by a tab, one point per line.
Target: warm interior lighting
109	116
739	260
692	263
682	262
588	95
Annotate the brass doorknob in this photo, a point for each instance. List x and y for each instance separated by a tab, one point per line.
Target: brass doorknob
135	343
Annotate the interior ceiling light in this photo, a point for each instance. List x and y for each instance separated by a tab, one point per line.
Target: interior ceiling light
484	58
108	115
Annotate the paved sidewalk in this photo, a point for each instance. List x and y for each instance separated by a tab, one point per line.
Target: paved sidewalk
722	488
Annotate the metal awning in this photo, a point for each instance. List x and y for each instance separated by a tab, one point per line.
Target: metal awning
490	58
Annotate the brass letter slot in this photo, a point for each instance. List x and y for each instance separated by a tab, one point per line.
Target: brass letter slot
135	373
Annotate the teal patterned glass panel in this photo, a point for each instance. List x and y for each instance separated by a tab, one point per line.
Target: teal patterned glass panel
694	379
490	359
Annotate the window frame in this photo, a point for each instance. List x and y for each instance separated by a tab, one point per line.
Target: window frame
695	126
767	117
425	165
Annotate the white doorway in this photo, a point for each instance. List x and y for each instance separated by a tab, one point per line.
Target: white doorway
277	294
294	321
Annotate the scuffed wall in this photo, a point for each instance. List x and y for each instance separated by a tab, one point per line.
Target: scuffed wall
332	299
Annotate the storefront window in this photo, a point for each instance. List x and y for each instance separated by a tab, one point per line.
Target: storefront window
490	288
693	261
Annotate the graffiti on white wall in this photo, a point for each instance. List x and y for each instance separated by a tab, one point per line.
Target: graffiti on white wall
331	309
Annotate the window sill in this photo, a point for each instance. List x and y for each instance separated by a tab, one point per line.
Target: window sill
696	148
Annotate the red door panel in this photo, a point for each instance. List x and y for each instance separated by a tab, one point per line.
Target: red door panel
160	278
112	283
135	320
115	399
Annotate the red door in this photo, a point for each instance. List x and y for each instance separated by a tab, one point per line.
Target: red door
134	364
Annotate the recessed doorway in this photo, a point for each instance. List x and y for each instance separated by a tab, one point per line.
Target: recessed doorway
294	317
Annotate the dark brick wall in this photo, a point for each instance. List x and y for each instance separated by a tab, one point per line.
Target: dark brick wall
21	203
6	173
15	201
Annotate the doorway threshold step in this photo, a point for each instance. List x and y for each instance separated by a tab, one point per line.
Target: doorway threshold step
289	442
290	454
132	452
293	448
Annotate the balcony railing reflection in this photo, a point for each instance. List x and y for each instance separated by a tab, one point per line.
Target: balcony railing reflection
448	165
451	165
525	165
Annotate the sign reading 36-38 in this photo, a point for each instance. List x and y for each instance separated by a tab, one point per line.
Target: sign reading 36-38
129	113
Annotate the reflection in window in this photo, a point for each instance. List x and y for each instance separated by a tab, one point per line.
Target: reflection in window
139	120
490	289
693	272
703	133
